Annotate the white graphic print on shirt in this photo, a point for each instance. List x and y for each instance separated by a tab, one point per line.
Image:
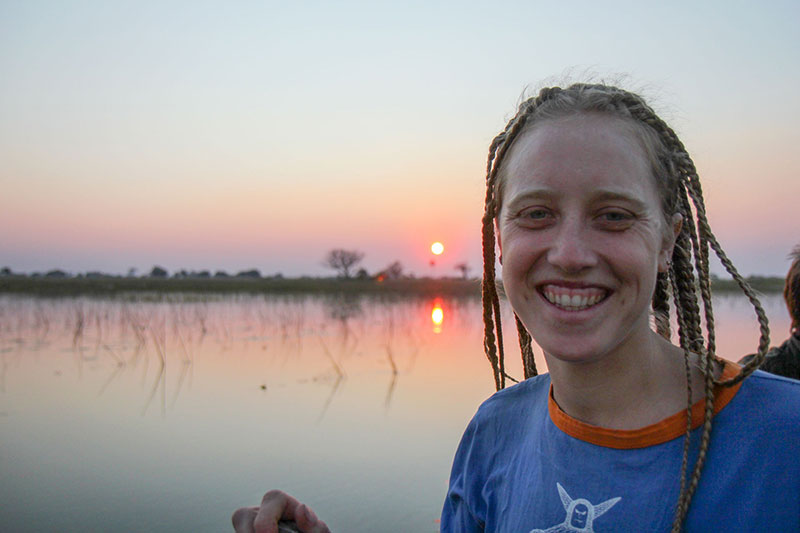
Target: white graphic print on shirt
580	514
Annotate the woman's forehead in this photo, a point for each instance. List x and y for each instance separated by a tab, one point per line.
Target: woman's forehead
584	146
577	132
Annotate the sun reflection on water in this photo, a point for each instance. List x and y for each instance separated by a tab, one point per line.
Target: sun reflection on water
437	315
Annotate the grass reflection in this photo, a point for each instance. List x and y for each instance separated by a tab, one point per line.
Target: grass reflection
259	342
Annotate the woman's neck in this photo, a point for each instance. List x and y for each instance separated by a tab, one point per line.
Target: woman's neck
628	389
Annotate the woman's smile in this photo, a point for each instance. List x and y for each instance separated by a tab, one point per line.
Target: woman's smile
572	298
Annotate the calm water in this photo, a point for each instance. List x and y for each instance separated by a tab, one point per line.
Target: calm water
166	416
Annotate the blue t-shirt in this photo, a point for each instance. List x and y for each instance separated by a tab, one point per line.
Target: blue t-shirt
524	466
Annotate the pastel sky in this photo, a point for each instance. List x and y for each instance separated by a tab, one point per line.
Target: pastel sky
236	135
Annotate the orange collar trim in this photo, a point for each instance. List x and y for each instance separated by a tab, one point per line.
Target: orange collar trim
660	432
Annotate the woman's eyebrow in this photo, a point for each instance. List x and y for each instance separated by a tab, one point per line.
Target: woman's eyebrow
607	195
599	196
533	194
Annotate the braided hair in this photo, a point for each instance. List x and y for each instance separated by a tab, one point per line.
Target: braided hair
687	279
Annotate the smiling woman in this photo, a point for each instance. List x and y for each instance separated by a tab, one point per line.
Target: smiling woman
600	221
597	212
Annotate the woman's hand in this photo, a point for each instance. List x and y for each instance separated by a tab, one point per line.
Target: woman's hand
276	506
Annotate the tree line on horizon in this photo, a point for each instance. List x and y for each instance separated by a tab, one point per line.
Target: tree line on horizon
345	263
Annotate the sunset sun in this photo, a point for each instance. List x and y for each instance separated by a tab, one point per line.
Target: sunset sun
437	248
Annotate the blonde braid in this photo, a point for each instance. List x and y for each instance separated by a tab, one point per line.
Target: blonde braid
689	181
702	261
763	322
661	305
528	363
691	338
690	335
683	503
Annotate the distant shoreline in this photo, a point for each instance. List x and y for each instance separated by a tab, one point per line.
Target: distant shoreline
113	286
120	285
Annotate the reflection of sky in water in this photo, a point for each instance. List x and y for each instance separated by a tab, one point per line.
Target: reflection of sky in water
166	416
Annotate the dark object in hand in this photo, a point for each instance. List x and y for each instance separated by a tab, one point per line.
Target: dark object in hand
288	526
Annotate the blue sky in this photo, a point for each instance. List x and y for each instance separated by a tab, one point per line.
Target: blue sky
260	134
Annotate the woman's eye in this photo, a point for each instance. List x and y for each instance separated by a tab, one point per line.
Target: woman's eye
616	219
535	217
536	214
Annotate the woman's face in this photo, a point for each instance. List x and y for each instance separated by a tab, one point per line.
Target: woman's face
581	236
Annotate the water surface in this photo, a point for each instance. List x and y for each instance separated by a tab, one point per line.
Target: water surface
165	415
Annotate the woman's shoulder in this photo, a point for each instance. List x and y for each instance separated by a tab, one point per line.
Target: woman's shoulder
521	397
773	384
501	417
769	396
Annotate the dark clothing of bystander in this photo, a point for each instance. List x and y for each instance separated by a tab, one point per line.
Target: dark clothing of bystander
783	360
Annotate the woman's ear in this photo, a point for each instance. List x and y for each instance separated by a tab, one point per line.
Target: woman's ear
665	257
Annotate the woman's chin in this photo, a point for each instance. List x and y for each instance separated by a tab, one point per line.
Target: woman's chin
573	351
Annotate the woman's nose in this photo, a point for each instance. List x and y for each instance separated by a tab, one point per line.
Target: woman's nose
572	249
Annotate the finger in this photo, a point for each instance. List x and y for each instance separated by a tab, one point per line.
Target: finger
275	505
308	522
242	519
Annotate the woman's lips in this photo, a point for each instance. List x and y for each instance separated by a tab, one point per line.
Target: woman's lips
573	298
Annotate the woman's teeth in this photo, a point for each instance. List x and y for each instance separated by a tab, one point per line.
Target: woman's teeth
573	299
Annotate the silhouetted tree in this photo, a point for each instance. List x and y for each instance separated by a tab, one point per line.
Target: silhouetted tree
254	273
158	272
393	271
343	261
464	269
